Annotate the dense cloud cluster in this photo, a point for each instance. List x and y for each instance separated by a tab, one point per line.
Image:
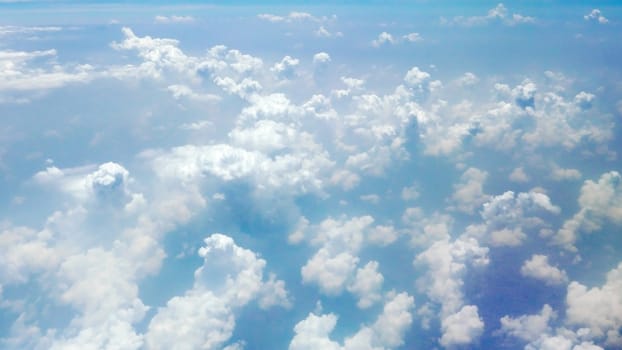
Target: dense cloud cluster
355	187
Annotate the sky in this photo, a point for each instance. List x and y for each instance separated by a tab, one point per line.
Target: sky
297	175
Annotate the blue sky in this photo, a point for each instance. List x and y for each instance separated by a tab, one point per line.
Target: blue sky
361	175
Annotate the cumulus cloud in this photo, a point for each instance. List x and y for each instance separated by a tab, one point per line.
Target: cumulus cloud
599	202
386	38
509	216
462	328
469	193
204	317
321	58
107	181
383	38
386	332
416	77
538	267
426	229
598	308
596	15
286	68
529	327
447	262
536	331
367	285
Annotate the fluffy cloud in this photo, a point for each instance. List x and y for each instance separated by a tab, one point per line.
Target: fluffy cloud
288	173
462	327
329	271
537	332
386	332
596	15
204	317
538	267
334	266
367	285
507	217
426	229
286	67
529	327
469	193
383	38
321	58
107	181
599	202
447	263
598	308
416	77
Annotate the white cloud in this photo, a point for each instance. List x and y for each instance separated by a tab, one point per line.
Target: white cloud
19	73
108	181
286	68
23	252
426	229
329	271
496	14
321	58
538	267
529	327
598	308
204	317
596	15
13	30
383	235
367	285
302	173
383	38
599	202
468	79
562	174
180	91
313	333
462	328
507	217
173	19
412	37
416	77
322	32
386	332
469	193
294	16
371	198
387	38
518	175
447	263
410	193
